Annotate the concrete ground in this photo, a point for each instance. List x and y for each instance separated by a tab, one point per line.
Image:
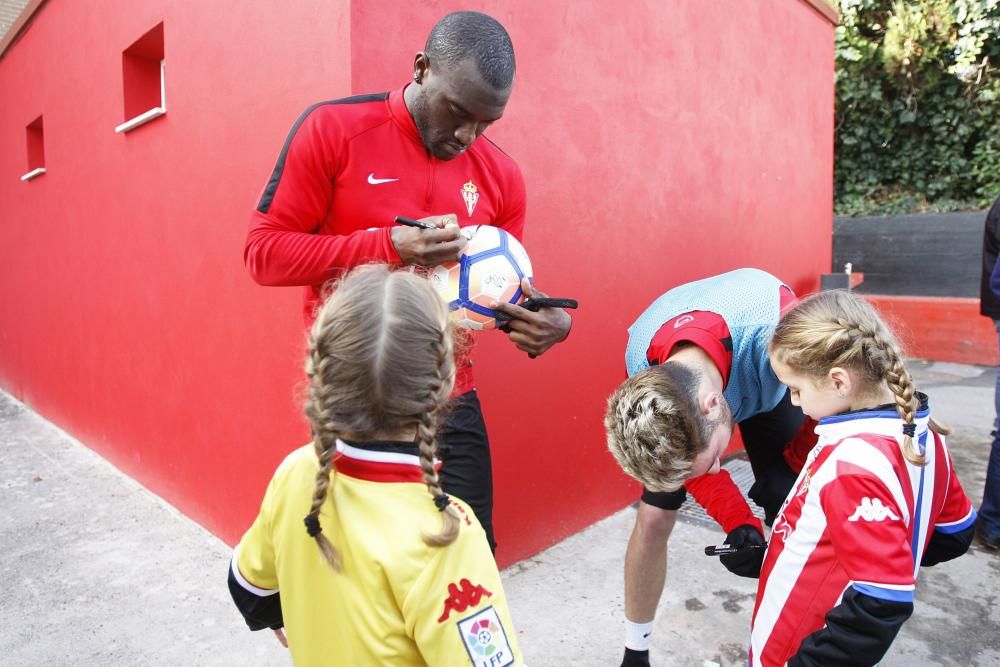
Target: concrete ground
98	571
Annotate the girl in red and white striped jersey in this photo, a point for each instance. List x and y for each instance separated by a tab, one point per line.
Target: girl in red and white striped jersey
877	498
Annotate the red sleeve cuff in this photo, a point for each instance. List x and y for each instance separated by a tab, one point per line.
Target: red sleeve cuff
723	501
389	249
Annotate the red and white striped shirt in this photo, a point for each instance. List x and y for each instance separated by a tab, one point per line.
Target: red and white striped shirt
858	516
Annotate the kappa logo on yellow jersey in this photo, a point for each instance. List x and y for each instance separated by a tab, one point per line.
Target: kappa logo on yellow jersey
461	597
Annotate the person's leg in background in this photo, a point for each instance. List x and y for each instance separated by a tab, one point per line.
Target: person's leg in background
764	438
467	470
989	510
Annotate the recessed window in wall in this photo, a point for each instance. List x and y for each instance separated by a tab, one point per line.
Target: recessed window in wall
142	80
36	150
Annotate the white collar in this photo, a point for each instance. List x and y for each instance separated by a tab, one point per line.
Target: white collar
878	421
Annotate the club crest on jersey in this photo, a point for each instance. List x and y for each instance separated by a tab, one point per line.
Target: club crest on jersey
873	510
461	597
470	195
485	639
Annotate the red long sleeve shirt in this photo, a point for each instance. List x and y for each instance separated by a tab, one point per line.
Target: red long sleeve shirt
347	168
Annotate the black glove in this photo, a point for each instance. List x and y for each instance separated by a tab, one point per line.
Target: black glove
745	563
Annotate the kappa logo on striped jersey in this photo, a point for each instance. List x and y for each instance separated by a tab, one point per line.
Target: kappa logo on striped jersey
873	510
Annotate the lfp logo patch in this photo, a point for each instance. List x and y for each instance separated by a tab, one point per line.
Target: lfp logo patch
485	639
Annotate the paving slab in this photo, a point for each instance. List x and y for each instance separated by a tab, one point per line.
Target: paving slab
100	571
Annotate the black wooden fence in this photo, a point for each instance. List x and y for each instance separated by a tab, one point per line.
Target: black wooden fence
919	255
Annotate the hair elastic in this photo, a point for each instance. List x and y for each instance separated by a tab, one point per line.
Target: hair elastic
312	525
910	430
441	502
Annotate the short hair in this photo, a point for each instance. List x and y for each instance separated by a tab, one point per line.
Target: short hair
472	35
654	426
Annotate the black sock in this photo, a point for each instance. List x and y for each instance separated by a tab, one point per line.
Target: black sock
635	658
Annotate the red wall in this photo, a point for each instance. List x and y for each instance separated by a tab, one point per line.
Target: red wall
661	142
940	328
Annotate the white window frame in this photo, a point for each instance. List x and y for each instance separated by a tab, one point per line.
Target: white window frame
155	112
34	173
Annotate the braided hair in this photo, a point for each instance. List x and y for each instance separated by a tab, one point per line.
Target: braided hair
426	432
380	360
837	328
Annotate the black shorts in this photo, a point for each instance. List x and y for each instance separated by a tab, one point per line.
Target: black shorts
764	437
464	449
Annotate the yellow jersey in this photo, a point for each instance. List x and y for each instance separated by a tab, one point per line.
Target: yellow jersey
397	601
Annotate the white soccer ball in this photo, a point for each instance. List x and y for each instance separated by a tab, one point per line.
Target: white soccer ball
490	270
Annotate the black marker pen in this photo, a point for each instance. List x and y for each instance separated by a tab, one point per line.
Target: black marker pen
726	549
410	222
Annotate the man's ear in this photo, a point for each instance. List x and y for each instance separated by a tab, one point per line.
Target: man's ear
421	66
841	380
709	402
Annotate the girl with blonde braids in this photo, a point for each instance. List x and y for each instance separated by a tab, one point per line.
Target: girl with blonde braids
387	569
877	498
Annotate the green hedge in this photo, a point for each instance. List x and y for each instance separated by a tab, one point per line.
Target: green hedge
918	106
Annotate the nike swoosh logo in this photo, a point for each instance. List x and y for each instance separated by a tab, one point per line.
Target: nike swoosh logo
377	181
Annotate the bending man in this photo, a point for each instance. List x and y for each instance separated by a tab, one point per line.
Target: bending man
697	363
